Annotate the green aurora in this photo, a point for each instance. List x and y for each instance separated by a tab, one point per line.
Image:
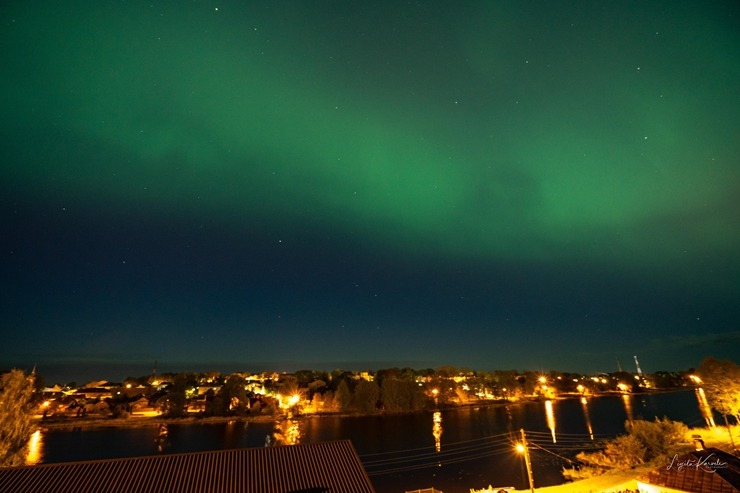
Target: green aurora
590	138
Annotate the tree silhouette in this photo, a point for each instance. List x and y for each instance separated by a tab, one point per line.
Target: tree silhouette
16	416
720	380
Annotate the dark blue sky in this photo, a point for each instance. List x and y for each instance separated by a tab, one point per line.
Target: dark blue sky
287	185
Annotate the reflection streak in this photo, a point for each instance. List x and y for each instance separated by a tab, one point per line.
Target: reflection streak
550	419
627	400
587	415
437	430
704	407
35	448
287	432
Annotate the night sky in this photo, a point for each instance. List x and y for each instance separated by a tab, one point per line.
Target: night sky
532	185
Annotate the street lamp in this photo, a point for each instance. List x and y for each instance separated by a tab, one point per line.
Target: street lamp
522	449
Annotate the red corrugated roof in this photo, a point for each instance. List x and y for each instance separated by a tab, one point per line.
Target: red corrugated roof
701	471
333	466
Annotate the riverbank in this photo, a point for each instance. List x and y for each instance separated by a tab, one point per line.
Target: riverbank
149	420
140	421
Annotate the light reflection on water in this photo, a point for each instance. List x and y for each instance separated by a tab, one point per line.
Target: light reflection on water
550	415
627	400
288	432
437	430
587	415
35	448
704	407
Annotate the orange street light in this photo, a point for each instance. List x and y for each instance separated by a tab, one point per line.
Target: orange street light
521	447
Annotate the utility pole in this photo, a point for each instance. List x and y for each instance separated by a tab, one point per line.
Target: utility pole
527	461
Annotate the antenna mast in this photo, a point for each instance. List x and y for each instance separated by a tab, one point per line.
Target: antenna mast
637	364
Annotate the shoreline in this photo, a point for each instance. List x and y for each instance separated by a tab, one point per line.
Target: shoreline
139	421
134	421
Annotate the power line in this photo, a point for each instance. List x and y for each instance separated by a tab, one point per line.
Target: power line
470	450
437	456
447	445
438	463
570	461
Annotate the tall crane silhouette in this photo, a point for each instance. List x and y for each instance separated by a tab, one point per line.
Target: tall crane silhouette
637	364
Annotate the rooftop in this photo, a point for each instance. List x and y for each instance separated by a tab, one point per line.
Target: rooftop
329	466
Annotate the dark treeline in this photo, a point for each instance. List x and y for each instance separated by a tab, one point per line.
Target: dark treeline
386	390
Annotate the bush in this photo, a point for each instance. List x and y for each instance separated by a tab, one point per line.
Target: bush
621	453
647	441
661	438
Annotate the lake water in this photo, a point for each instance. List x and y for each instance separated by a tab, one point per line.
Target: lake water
452	450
